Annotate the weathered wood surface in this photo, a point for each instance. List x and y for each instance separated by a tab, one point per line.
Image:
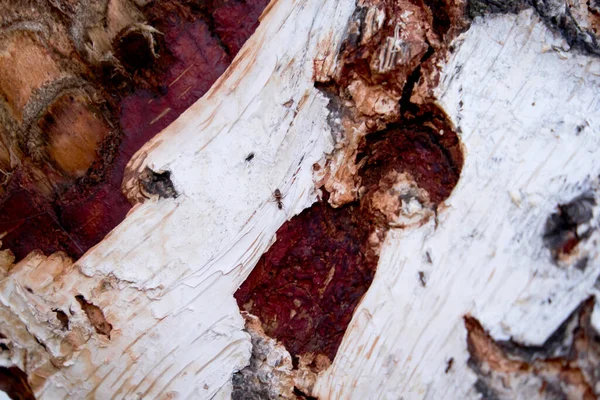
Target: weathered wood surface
528	111
164	278
150	310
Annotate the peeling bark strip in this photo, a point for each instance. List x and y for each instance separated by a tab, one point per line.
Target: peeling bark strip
525	152
177	330
305	288
85	84
565	366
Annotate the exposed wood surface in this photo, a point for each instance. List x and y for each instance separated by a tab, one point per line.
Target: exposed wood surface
164	278
149	312
528	112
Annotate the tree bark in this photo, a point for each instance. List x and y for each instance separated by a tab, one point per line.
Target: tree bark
375	200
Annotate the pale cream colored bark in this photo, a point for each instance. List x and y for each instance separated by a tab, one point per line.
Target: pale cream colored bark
164	278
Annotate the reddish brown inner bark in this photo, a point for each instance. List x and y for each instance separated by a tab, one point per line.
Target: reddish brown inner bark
306	287
197	43
14	383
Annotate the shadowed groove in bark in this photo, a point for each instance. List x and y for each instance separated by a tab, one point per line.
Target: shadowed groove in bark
565	228
95	316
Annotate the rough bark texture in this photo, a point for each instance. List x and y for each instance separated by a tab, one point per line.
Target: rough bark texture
440	240
85	84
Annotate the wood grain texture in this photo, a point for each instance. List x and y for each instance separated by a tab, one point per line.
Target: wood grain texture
164	278
528	112
149	312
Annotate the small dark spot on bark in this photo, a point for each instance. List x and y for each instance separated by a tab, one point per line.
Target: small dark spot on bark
428	256
95	315
302	395
560	234
249	157
63	318
449	364
422	278
157	183
162	89
582	263
29	289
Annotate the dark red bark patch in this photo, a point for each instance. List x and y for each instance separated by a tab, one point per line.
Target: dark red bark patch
425	147
30	221
88	216
236	20
306	287
194	43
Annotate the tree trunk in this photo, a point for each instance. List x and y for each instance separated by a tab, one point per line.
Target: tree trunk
388	199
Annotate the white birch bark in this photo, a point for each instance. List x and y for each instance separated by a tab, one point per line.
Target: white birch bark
164	278
518	99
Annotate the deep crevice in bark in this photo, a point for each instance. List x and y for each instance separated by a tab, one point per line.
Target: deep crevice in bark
95	316
157	183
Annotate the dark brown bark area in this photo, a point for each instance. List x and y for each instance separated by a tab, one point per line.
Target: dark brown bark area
14	383
71	118
567	365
